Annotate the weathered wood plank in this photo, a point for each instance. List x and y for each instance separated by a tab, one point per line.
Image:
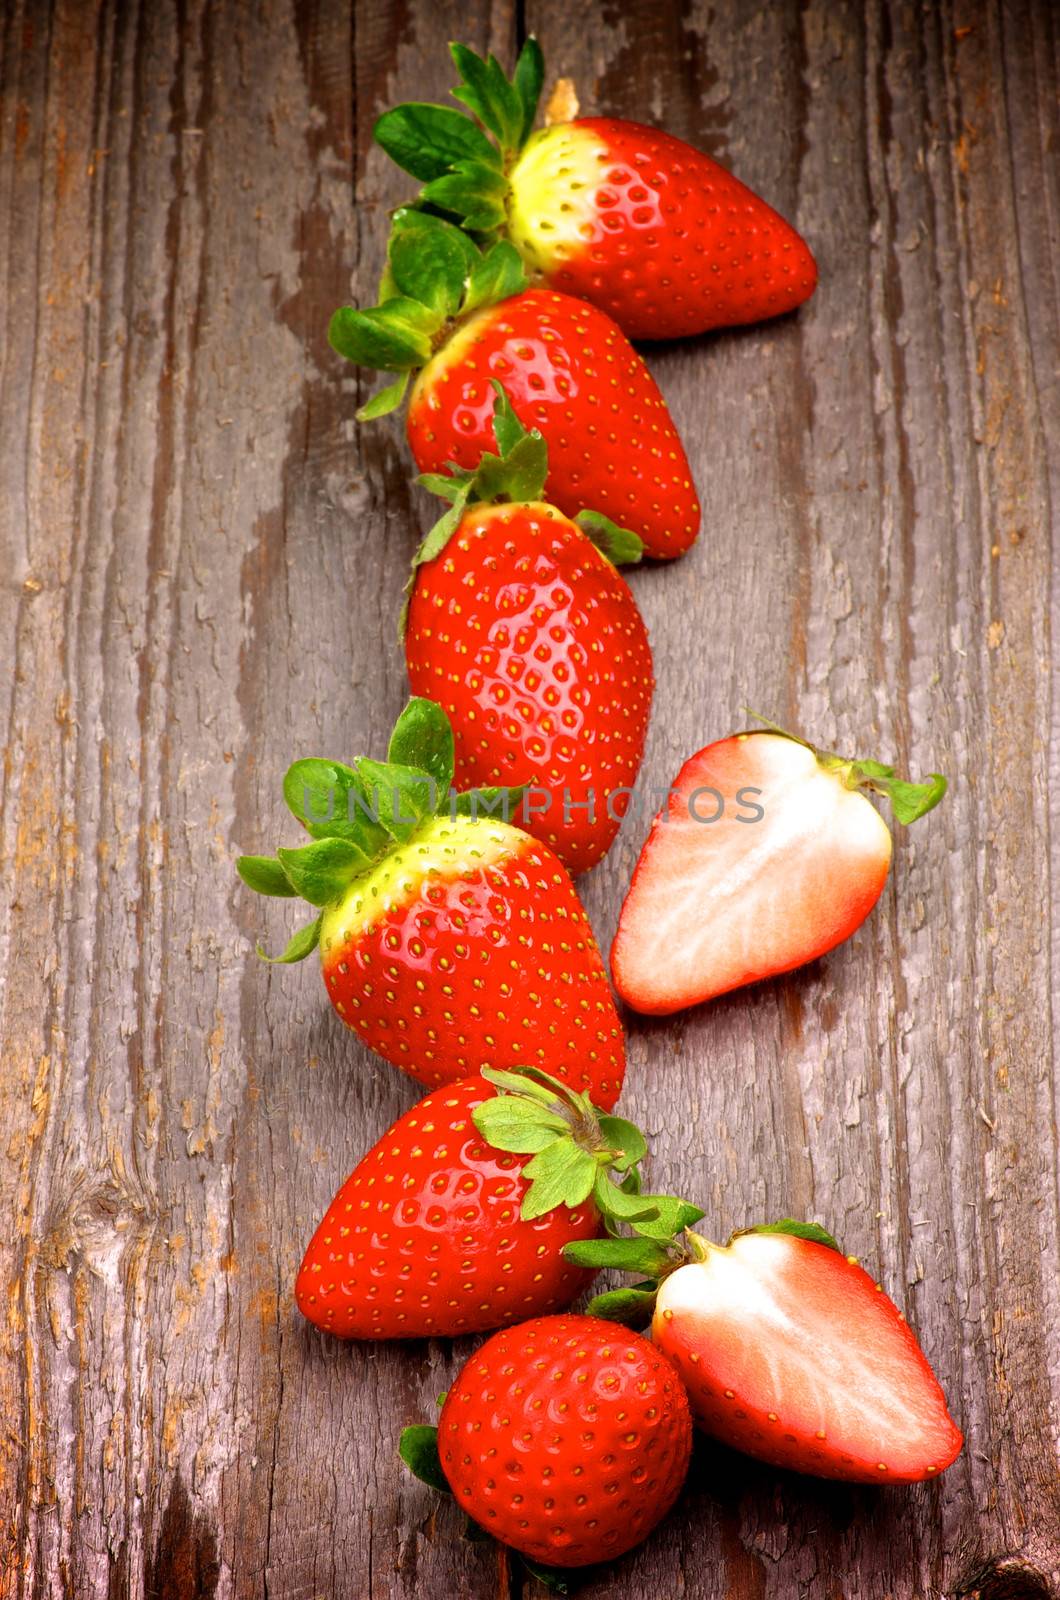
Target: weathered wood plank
202	560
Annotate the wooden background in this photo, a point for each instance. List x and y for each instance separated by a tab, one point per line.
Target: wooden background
202	561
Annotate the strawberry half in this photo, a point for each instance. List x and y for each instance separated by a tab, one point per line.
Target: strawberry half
462	318
647	228
448	938
766	856
789	1351
455	1220
566	1438
521	628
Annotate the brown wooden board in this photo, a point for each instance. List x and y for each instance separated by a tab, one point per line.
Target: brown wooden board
202	559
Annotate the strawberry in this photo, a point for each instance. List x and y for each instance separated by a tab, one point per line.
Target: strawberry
565	1437
461	318
766	856
789	1351
647	228
448	938
523	631
454	1222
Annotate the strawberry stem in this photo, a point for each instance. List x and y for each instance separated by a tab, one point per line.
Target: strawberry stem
909	801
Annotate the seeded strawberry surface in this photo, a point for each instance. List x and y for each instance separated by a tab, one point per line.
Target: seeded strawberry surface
470	948
533	644
570	372
655	233
425	1239
567	1438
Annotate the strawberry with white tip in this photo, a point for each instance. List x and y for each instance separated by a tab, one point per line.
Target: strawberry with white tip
649	229
448	938
767	855
453	318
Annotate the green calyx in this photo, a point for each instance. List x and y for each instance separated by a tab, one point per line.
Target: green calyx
356	815
514	476
435	276
462	163
908	800
653	1253
577	1152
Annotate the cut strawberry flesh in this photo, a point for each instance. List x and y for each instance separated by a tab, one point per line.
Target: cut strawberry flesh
716	904
791	1353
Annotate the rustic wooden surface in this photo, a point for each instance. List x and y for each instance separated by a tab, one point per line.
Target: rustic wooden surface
202	559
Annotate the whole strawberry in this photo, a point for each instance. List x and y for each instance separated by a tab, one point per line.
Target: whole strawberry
524	632
652	231
566	1437
767	855
455	1221
461	318
788	1349
448	938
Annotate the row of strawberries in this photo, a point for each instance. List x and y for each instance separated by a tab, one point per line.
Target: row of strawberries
450	934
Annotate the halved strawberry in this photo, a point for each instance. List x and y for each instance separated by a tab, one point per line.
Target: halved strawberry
766	856
520	627
455	1220
448	938
789	1351
461	319
647	228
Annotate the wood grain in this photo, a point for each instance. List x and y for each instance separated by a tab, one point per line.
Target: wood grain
202	557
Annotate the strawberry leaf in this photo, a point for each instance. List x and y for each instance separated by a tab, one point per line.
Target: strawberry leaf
556	1579
507	429
392	336
402	797
621	546
495	276
430	261
798	1230
641	1256
625	1137
909	801
321	871
428	140
671	1217
300	945
488	802
331	802
386	401
472	192
561	1174
517	1125
615	1202
528	78
265	875
631	1307
490	95
418	1449
423	738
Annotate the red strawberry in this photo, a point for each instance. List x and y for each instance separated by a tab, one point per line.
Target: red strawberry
448	938
451	1224
523	631
653	232
766	856
568	370
788	1351
567	1438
